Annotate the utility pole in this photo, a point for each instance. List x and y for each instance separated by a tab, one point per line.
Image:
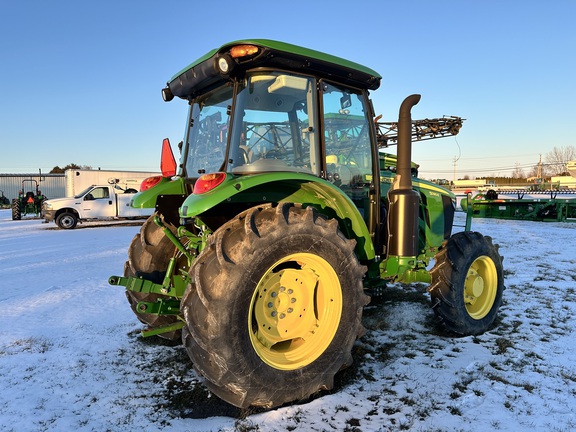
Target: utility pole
539	174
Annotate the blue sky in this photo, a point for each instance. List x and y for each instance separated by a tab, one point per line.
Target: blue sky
80	81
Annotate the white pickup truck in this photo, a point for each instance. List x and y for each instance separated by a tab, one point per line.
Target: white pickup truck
94	203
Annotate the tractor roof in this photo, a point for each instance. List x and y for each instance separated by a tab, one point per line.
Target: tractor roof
204	73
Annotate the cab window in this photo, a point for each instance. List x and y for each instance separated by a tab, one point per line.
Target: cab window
348	152
274	125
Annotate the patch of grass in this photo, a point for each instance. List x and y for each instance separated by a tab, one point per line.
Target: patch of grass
391	410
462	385
31	344
353	422
382	353
502	344
528	387
497	378
454	410
569	376
245	426
297	416
408	401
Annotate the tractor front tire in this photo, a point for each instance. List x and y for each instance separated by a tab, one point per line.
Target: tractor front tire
274	307
467	283
148	257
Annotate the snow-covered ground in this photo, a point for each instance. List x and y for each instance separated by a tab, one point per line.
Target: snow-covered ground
71	357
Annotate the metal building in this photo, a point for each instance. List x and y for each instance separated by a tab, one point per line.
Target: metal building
51	185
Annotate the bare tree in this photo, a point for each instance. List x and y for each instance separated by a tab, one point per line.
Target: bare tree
518	172
557	158
58	170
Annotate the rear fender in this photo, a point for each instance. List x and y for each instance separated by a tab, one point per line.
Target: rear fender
166	186
305	189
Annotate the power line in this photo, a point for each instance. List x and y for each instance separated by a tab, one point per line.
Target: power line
486	170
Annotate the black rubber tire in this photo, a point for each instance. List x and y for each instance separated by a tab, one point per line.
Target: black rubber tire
67	220
491	195
148	257
16	212
454	264
216	304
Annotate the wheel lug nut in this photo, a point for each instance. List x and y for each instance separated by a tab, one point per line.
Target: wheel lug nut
293	300
290	291
270	305
274	294
273	314
282	316
290	310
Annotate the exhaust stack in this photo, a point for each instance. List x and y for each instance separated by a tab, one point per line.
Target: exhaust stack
403	201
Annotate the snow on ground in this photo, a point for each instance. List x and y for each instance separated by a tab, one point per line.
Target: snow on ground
71	357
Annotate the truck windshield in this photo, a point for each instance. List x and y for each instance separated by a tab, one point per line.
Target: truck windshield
208	132
84	192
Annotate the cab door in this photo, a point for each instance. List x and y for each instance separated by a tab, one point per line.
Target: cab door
98	203
349	155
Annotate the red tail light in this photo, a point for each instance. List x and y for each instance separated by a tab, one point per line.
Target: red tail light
149	182
207	182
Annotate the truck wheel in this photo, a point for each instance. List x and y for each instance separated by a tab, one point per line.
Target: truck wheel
275	306
148	257
67	220
16	213
467	283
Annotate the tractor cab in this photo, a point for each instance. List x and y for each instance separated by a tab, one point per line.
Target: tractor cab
259	111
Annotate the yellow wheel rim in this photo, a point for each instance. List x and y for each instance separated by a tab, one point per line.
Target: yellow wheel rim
295	311
480	287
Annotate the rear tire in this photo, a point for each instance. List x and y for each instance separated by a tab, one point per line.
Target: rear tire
467	283
16	212
148	257
275	306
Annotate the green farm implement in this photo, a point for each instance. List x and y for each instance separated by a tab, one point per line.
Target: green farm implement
4	201
543	206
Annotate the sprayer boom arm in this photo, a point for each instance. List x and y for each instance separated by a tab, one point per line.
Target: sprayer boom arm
387	132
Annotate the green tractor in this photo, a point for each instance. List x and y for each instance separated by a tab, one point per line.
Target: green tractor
280	219
4	201
29	202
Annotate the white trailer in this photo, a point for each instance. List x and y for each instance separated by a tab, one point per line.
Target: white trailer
78	180
471	183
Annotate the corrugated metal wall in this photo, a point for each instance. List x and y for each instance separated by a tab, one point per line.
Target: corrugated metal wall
51	185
